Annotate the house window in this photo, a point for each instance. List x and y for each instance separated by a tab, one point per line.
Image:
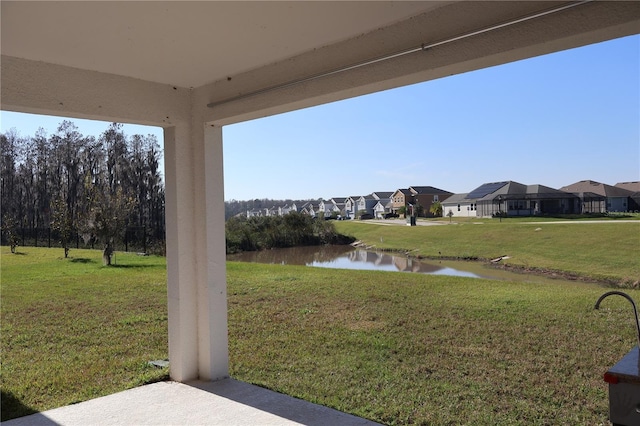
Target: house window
458	207
435	198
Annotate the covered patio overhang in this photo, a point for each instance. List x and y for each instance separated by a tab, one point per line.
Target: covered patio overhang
194	67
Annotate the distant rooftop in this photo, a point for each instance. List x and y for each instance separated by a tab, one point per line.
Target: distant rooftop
485	189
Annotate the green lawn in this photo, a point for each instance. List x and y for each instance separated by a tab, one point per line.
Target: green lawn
73	330
403	348
396	348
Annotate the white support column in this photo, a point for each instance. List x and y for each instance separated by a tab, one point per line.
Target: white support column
181	247
212	291
196	272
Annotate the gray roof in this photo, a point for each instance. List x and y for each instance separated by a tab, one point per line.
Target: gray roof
510	188
382	194
457	198
486	189
405	191
601	189
428	190
368	197
630	186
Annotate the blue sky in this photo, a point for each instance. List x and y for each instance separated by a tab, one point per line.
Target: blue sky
551	120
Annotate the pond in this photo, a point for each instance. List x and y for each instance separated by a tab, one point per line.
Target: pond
347	257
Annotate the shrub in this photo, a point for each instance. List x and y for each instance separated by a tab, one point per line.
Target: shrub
291	230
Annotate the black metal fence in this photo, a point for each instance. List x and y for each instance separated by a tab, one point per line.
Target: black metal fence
135	239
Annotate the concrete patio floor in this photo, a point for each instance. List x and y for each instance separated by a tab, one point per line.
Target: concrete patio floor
226	402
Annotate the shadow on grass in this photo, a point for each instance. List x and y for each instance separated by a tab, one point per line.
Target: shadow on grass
82	260
622	216
133	266
592	216
11	407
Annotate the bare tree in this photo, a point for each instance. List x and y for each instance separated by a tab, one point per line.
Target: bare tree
62	222
9	227
108	216
10	147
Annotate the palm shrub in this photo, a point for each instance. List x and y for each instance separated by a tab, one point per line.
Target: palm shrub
436	209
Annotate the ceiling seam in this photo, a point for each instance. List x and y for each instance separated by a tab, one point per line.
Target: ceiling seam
423	47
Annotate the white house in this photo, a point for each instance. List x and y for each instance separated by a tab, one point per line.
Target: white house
458	205
381	208
351	206
365	204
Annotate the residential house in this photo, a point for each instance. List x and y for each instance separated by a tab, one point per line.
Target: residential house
365	205
308	208
339	205
322	207
459	205
400	199
272	211
382	208
634	198
254	213
596	197
516	199
328	209
286	209
350	206
383	205
426	196
382	195
379	210
542	200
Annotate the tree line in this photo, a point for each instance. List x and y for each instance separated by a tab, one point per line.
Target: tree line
291	230
79	185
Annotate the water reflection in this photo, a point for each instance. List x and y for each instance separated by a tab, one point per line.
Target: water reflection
347	257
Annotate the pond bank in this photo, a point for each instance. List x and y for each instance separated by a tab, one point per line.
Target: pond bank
347	257
519	269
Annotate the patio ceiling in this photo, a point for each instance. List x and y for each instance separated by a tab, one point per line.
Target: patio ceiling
185	44
232	49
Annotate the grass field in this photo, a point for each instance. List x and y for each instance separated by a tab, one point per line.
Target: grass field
392	347
607	251
413	349
72	330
